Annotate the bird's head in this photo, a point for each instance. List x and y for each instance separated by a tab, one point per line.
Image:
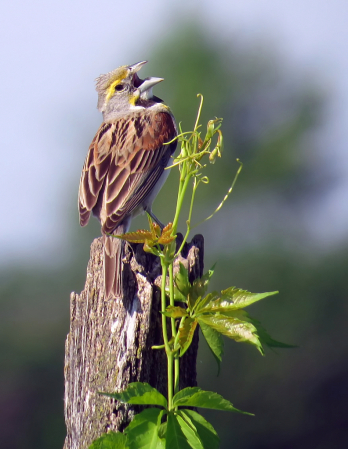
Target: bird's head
122	92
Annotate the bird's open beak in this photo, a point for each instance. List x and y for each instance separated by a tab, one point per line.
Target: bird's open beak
144	87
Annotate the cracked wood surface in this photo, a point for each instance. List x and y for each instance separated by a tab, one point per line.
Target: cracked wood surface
109	343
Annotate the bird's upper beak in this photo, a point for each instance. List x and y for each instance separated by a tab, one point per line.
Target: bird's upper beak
136	67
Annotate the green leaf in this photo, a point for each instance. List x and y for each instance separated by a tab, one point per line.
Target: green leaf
142	432
175	312
166	235
154	228
215	342
233	327
149	247
111	440
199	288
139	236
186	332
190	432
243	298
232	299
200	304
182	281
162	429
178	296
195	397
141	394
175	438
204	429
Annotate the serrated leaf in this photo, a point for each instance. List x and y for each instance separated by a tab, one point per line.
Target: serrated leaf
111	440
195	397
137	236
175	312
186	332
178	296
239	314
232	299
162	430
175	438
149	248
200	286
204	429
182	281
234	328
156	230
166	240
192	299
242	298
142	432
215	342
202	303
166	236
189	432
167	230
141	394
264	337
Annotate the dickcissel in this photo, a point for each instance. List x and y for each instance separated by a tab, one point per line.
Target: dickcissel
125	164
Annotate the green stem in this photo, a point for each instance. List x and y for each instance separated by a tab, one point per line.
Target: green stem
174	331
199	111
163	304
170	359
181	196
171	296
176	374
169	352
195	185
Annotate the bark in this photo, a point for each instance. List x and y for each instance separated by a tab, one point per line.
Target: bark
109	343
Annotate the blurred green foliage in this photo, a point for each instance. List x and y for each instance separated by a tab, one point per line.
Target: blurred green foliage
299	396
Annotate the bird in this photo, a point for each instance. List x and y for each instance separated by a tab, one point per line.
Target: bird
125	164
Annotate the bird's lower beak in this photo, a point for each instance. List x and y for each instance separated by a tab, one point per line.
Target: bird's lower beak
146	86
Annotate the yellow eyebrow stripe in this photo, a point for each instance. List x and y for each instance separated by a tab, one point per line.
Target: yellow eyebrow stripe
111	89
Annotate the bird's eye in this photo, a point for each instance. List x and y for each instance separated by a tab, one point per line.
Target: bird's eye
120	87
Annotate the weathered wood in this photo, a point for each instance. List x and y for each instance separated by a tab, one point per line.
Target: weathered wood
109	343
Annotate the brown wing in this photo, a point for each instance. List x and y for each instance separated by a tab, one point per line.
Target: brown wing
93	173
125	161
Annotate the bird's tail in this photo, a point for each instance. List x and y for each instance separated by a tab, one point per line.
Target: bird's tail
113	255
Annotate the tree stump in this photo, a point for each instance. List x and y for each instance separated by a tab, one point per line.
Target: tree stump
109	343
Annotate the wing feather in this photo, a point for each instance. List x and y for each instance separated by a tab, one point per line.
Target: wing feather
103	167
92	177
114	190
124	162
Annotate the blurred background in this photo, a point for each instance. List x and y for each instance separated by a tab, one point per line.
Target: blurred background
277	73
